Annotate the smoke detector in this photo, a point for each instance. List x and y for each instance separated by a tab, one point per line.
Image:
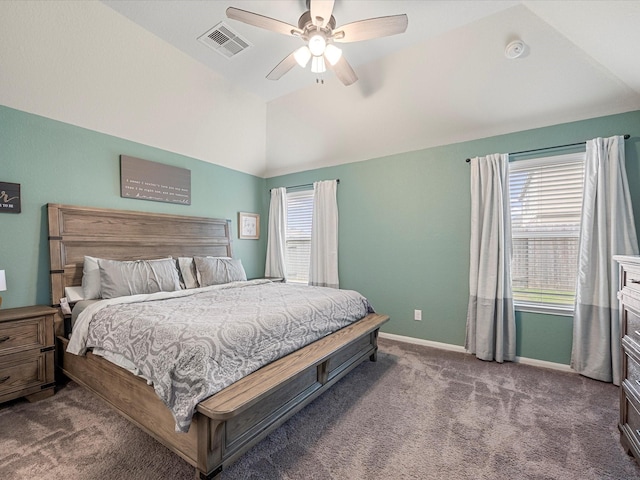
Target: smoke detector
515	49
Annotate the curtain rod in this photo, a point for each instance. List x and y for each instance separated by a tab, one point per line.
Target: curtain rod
626	137
303	185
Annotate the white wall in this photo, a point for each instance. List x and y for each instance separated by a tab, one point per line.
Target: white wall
84	64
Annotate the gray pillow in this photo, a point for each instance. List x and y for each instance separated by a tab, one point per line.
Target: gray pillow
118	279
217	270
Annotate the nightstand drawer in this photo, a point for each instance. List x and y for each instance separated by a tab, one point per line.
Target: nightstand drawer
25	373
22	335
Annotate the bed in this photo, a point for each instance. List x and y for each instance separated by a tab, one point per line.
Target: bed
228	423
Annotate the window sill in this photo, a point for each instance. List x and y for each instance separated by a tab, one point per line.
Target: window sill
563	312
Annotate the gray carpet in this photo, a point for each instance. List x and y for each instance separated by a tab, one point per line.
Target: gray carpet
418	413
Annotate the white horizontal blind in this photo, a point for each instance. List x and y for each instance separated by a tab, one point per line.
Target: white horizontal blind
546	202
298	238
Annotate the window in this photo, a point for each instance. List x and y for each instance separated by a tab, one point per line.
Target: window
298	238
546	202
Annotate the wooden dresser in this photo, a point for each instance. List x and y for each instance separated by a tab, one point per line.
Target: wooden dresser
629	296
27	350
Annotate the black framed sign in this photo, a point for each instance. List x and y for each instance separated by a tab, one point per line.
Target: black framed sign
9	197
147	180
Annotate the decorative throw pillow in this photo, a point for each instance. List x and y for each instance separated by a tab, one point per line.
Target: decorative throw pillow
219	270
187	269
118	279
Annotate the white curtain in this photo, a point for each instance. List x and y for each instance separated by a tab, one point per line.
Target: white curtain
491	332
275	265
607	229
323	269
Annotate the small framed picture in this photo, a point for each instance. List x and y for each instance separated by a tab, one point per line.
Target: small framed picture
249	225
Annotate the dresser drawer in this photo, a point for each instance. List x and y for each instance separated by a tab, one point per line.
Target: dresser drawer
632	374
22	335
631	278
631	324
631	423
25	373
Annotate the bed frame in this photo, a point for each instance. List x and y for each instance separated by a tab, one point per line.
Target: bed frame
230	422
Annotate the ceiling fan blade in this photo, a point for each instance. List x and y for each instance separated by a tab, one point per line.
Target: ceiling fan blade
321	11
343	71
261	21
283	67
371	28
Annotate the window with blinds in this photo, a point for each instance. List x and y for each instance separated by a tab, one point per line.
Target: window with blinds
546	201
298	238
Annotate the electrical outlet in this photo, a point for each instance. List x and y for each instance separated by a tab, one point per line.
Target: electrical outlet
417	314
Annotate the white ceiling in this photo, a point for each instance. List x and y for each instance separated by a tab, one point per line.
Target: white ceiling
182	22
443	81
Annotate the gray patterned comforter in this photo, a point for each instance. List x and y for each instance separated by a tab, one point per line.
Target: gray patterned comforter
195	343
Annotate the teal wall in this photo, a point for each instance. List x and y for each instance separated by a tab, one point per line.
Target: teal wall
56	162
404	232
404	219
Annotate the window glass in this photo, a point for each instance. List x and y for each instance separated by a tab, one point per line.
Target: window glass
298	239
546	202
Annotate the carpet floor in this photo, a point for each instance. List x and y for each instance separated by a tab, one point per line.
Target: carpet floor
418	413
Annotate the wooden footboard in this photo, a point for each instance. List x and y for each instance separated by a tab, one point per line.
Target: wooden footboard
230	422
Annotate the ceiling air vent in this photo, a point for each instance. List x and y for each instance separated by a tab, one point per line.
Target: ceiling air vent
224	40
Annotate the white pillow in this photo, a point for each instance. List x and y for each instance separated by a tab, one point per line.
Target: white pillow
90	278
74	294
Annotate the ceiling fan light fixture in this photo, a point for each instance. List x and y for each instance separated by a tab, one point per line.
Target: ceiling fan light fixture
317	44
332	54
317	65
317	27
302	56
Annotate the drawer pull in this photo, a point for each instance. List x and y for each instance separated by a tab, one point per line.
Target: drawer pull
4	379
634	281
4	339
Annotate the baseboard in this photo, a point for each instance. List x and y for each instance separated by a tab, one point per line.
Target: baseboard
426	343
458	348
544	364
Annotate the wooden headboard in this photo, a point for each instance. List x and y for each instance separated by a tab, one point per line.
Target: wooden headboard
125	235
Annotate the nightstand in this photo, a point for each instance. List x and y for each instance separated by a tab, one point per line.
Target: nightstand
27	353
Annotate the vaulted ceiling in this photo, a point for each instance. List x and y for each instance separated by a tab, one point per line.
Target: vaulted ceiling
135	69
446	79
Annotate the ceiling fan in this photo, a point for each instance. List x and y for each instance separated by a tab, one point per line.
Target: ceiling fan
317	27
